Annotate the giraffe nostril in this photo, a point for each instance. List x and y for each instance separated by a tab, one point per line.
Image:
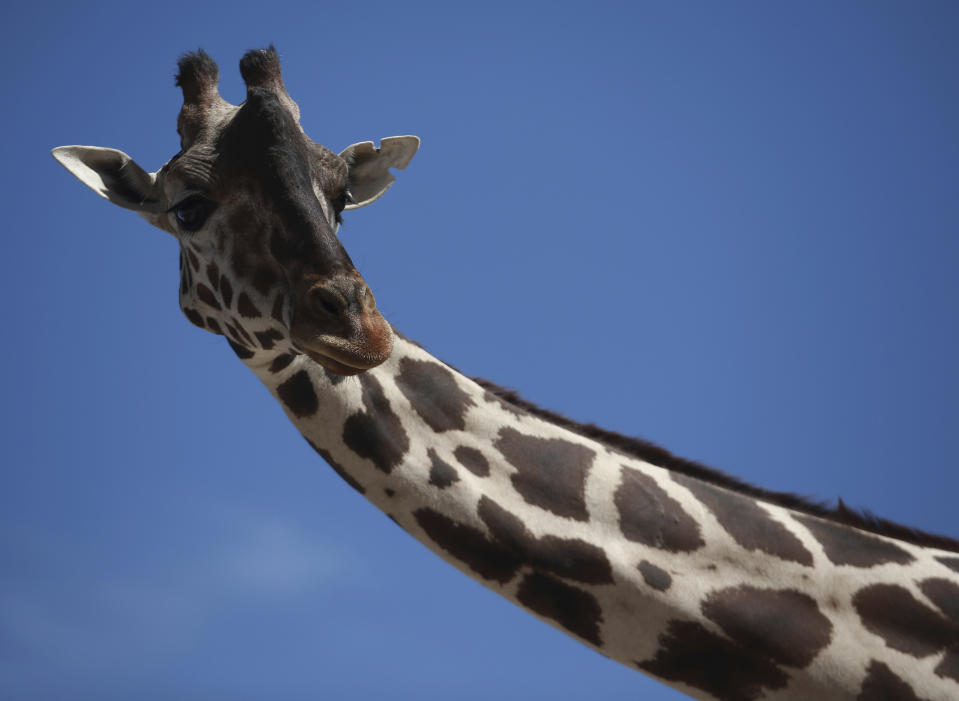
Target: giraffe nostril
325	302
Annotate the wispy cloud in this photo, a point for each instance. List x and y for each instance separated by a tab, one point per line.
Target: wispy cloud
99	622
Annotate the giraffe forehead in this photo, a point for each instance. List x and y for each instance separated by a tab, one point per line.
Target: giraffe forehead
258	146
264	137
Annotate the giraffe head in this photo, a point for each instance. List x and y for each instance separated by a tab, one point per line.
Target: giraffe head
256	205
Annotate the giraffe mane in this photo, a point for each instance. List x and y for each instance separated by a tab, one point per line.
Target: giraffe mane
656	455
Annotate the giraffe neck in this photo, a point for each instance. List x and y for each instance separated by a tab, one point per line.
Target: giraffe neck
713	592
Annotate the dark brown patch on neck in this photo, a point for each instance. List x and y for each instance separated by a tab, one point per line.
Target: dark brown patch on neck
442	474
882	684
569	558
242	352
509	545
434	394
693	655
298	394
783	624
746	522
472	460
376	433
950	562
280	362
848	546
944	594
575	609
903	622
550	472
648	515
654	576
469	545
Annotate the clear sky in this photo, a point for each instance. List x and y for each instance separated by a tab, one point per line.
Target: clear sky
730	228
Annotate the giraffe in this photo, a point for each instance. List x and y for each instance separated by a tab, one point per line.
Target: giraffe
715	587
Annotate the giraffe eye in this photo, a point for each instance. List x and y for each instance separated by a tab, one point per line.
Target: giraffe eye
191	214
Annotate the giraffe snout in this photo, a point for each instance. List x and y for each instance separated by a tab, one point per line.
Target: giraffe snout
337	324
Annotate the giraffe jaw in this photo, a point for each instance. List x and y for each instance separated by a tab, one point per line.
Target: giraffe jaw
345	357
332	365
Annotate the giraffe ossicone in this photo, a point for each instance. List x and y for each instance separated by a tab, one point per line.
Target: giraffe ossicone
718	588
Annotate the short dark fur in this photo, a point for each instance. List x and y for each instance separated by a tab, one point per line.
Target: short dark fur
260	66
652	453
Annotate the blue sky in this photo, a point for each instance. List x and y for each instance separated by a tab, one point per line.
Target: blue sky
729	228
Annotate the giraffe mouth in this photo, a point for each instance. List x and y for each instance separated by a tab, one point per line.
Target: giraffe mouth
344	356
337	325
334	366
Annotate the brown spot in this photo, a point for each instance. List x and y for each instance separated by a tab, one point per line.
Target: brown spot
377	433
298	394
226	291
240	257
783	624
570	558
245	306
247	338
845	545
442	474
949	667
472	460
233	332
280	362
747	522
213	325
432	391
206	295
263	280
242	352
550	472
648	515
944	594
693	655
655	577
509	546
194	316
213	275
277	312
337	467
268	338
950	562
390	493
881	684
468	545
905	623
194	261
573	608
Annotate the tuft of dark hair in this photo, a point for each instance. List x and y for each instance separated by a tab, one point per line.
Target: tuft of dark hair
260	66
195	68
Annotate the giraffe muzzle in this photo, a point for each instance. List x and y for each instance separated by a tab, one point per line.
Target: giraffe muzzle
337	324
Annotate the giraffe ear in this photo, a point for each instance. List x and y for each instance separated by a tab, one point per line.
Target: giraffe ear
113	175
370	167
